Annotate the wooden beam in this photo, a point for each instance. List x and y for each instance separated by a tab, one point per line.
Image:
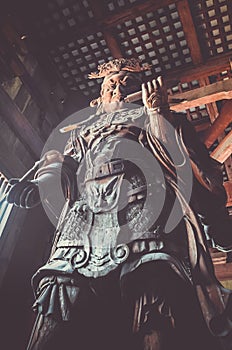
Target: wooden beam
212	110
212	66
219	125
228	166
224	149
189	31
20	125
98	11
211	107
203	95
196	97
228	184
112	44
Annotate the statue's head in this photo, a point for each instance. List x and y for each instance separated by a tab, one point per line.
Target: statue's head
121	78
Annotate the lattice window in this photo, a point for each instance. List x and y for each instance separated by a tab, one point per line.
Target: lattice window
76	60
213	24
60	16
156	38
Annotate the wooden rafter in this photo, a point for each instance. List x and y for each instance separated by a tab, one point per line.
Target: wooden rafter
98	11
224	149
219	125
212	66
211	107
228	187
189	30
228	164
203	95
196	97
112	44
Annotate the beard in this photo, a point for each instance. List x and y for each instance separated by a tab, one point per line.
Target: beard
112	106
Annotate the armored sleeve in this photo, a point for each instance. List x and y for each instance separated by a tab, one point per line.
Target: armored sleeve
57	169
208	193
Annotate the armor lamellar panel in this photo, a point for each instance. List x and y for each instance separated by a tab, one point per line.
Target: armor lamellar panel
101	238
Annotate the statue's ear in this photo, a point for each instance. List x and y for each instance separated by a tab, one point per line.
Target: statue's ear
95	102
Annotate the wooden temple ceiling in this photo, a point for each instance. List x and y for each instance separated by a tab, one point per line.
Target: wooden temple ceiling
187	42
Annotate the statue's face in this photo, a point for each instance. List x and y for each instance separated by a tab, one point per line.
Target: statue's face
116	87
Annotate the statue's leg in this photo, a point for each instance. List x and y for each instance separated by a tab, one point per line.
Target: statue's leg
56	299
44	329
152	323
164	310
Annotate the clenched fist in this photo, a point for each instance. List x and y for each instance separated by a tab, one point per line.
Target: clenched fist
23	194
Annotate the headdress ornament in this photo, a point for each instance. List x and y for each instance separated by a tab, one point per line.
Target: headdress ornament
118	64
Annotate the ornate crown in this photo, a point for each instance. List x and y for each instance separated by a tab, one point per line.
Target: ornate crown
118	64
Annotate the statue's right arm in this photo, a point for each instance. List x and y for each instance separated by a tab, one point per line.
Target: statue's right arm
55	169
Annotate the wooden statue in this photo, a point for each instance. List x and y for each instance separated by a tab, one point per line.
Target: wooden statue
130	266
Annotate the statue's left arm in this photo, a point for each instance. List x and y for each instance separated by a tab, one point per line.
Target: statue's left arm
208	193
209	196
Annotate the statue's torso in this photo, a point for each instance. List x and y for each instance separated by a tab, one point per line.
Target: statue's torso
113	217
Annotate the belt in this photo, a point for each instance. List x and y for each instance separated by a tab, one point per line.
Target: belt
111	168
116	167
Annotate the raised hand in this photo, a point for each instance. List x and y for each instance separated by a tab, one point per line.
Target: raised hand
154	94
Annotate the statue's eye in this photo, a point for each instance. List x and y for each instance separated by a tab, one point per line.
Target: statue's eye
112	84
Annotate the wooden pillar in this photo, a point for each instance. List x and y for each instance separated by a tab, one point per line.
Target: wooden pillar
211	107
10	41
20	125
